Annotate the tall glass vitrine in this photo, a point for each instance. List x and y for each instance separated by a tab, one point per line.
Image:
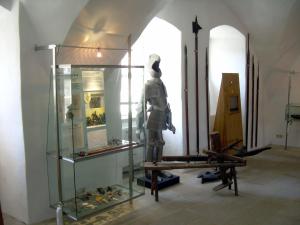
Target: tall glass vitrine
93	155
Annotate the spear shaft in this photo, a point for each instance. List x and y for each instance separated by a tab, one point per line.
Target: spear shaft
196	28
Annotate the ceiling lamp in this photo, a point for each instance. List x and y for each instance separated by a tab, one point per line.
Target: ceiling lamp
99	54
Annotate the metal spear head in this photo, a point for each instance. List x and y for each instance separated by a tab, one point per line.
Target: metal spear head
196	26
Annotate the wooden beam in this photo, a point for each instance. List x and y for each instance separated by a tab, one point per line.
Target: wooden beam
185	158
225	156
172	165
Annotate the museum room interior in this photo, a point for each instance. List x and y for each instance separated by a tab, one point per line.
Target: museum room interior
130	112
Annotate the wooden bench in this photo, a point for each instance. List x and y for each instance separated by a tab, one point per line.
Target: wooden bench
224	166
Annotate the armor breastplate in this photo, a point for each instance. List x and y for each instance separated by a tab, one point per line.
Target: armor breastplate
156	95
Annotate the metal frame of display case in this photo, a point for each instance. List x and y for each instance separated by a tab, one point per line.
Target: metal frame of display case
287	113
129	147
290	118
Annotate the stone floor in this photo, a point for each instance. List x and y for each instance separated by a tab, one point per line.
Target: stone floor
269	189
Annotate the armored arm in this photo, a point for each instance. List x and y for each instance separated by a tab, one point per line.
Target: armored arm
140	120
169	124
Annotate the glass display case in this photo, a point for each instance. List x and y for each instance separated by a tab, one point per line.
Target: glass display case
93	155
292	112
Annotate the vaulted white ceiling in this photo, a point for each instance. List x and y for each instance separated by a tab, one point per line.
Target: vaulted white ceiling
107	24
274	27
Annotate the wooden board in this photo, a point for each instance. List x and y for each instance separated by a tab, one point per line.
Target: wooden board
228	120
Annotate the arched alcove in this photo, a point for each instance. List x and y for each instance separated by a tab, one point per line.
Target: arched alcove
164	39
227	51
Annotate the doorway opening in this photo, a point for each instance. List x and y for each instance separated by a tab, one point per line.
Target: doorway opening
227	51
163	38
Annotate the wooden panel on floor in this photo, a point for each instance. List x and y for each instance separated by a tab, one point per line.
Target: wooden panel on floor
228	120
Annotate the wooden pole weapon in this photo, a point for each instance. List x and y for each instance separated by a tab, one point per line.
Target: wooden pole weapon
186	100
252	102
257	105
247	89
207	97
196	28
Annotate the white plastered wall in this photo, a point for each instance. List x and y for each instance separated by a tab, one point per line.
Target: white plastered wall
275	100
41	22
13	188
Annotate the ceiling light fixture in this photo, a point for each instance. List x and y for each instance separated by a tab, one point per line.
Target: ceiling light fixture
99	54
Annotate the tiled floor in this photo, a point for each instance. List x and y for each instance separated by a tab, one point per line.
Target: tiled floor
269	190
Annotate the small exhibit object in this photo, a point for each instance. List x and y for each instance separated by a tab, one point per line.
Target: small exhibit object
228	120
59	215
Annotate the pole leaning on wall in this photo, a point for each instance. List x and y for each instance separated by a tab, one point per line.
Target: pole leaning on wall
252	101
257	105
207	96
288	113
196	28
1	217
247	89
186	95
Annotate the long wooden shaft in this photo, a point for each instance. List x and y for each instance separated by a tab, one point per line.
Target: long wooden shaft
257	105
288	113
186	101
207	97
179	165
247	90
197	93
186	158
1	217
252	102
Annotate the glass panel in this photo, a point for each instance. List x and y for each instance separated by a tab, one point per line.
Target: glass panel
52	148
68	188
52	180
104	181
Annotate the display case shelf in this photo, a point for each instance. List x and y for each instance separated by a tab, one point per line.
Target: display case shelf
96	152
95	202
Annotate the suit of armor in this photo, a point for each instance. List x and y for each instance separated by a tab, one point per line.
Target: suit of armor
159	112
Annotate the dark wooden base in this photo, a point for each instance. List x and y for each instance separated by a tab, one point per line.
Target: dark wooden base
162	182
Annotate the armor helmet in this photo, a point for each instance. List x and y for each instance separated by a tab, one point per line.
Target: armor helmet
153	65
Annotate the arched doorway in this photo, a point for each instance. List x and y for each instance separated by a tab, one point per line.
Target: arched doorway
164	39
227	51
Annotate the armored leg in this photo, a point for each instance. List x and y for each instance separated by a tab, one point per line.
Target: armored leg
155	145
